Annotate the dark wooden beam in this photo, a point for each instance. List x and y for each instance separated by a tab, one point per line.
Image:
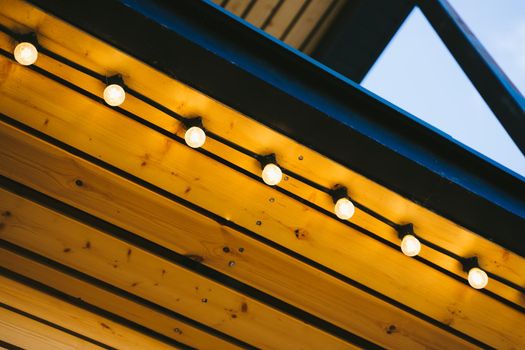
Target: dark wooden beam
503	98
359	34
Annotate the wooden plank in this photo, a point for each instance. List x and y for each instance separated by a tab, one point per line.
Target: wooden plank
260	12
317	34
113	303
63	314
283	17
28	334
142	273
232	125
53	172
237	7
306	22
175	167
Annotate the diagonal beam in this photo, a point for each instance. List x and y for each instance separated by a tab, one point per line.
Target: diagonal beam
503	98
359	34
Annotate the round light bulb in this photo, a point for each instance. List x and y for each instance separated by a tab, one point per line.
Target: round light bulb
477	278
195	137
344	208
26	53
410	245
272	174
114	95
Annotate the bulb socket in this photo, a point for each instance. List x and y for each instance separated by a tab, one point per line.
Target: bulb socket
403	230
191	122
338	192
28	37
469	263
115	79
267	159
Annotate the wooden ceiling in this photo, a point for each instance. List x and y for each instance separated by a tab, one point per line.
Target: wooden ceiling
115	234
298	23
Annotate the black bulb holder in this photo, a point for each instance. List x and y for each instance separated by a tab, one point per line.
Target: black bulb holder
266	159
469	263
28	37
403	230
338	192
191	122
115	79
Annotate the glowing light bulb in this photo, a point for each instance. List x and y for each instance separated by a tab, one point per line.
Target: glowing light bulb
477	278
272	174
344	208
114	95
195	137
26	53
410	245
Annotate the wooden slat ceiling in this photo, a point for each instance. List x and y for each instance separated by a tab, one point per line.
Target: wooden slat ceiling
298	23
115	234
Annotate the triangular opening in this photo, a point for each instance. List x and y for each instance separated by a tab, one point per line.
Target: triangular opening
417	73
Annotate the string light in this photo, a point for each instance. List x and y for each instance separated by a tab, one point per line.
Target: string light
477	278
195	135
114	93
26	52
410	245
271	173
344	208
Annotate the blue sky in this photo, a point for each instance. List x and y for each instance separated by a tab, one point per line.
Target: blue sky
417	73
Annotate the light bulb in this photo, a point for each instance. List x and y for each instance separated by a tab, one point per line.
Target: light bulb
272	174
344	208
26	53
195	137
410	245
114	95
477	278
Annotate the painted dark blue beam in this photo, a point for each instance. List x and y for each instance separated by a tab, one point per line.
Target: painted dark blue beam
503	98
201	45
359	34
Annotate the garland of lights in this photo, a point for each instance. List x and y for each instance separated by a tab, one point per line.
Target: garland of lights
114	95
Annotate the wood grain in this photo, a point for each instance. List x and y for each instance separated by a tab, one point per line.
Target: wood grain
238	128
93	128
103	299
51	171
44	306
142	273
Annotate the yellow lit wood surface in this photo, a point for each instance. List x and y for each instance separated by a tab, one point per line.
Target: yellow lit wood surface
137	271
26	333
105	134
52	172
58	312
143	315
239	129
175	167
